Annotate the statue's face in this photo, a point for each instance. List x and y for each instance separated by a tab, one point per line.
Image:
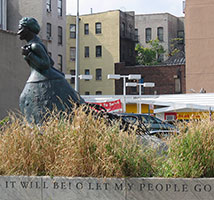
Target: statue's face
23	32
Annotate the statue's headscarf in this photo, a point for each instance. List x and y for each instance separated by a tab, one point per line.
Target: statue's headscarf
30	23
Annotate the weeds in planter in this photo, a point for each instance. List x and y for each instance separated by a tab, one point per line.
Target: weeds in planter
81	146
191	153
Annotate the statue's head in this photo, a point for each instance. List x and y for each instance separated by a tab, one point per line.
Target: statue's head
28	25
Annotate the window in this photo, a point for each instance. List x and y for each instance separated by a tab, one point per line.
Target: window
48	6
59	7
98	74
87	72
87	93
148	34
130	119
98	51
123	29
86	29
60	35
180	35
59	63
160	34
86	52
98	28
130	52
72	72
72	30
160	57
98	92
136	34
72	53
133	90
48	31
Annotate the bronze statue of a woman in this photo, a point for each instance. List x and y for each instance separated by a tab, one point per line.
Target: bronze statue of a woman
46	88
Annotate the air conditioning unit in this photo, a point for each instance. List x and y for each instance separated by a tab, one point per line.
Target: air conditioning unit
49	38
48	10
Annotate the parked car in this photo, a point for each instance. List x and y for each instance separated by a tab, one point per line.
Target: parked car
154	125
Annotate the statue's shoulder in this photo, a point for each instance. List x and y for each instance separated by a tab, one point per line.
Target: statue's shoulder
36	46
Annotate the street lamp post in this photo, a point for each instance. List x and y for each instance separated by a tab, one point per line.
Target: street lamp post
146	84
81	77
77	50
130	77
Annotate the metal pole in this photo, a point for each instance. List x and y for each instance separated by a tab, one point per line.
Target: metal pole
3	14
140	98
77	50
124	93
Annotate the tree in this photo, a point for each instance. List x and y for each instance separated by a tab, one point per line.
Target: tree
149	55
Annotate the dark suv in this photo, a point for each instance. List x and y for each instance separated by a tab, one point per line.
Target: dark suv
153	124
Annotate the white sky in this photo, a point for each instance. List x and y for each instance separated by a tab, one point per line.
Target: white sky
139	6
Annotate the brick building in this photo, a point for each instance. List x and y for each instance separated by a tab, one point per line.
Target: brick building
168	79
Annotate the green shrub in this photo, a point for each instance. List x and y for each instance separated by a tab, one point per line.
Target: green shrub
191	153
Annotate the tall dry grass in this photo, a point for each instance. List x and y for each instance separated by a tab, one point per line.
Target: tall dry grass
80	145
70	145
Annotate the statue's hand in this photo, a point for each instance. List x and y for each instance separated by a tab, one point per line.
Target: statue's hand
26	50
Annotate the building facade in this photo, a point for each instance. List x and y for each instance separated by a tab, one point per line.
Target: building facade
14	72
3	14
199	26
162	26
104	39
168	79
52	18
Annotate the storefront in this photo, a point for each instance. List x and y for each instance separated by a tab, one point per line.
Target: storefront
165	107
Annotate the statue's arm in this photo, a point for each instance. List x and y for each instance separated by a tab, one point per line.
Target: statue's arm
38	57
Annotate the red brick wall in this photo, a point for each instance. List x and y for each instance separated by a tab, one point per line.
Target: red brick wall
162	76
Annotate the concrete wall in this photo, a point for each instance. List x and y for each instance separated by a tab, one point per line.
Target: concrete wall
199	22
14	72
164	78
23	8
152	21
171	24
67	188
37	9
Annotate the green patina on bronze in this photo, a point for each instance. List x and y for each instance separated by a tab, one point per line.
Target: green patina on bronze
46	87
